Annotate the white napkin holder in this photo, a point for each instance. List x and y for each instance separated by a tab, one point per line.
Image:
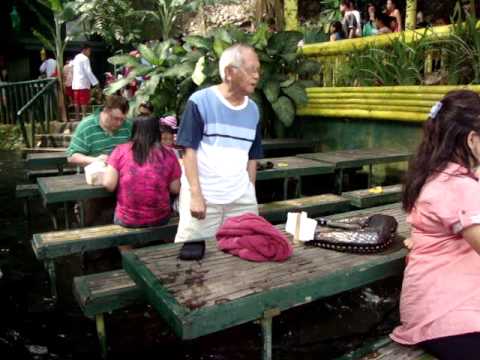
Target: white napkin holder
300	226
94	172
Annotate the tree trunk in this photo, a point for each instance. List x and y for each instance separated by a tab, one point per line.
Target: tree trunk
411	15
291	14
62	111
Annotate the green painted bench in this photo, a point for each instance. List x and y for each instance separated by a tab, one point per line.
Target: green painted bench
52	245
386	349
365	198
102	293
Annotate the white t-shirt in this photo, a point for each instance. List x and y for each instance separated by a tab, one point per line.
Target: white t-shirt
48	67
83	77
356	13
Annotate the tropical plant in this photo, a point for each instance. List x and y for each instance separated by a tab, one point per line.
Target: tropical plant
175	72
55	39
400	63
465	40
329	14
114	21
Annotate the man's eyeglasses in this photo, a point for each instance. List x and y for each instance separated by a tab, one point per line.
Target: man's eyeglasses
249	71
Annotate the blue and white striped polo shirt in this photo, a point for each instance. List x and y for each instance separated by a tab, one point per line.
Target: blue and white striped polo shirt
225	138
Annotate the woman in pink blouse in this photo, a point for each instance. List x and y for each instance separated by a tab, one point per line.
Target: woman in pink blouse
144	173
440	300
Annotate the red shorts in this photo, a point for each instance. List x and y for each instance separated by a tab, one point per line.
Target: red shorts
69	91
81	97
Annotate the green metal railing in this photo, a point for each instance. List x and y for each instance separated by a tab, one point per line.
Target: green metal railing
29	102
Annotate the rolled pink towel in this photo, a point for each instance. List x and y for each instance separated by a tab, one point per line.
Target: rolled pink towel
251	237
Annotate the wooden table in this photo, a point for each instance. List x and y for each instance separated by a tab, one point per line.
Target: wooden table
46	160
293	167
282	147
221	291
65	188
345	159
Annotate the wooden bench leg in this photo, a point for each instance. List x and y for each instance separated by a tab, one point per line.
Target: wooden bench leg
339	181
266	324
50	266
102	335
370	176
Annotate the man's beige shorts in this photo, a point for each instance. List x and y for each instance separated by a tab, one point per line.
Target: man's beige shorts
191	229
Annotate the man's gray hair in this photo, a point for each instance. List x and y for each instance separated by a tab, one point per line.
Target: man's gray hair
233	56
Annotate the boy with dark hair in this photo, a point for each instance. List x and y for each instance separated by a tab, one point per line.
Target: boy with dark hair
83	79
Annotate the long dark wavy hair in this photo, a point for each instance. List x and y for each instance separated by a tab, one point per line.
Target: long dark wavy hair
444	140
145	136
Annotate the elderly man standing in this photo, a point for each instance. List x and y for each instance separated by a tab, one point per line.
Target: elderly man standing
83	79
94	139
220	131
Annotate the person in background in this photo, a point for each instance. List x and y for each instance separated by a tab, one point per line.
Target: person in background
352	22
221	133
67	80
168	128
144	173
370	28
83	79
421	22
336	31
392	11
440	298
382	22
145	109
49	65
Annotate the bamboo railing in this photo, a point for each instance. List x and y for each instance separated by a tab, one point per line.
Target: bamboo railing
405	103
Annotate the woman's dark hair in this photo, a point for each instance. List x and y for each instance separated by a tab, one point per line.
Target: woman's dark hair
337	28
347	3
444	140
384	18
145	136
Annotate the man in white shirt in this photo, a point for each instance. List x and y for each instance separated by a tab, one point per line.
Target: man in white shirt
83	79
49	66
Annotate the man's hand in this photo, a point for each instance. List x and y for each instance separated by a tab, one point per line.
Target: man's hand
408	242
198	208
103	158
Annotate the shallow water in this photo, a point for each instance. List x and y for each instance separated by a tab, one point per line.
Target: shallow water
32	327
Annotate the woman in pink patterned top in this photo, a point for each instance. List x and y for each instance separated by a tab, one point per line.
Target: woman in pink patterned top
144	172
440	300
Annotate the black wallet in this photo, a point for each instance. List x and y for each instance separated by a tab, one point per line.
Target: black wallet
192	250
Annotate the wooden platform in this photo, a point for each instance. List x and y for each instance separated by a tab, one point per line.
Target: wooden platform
198	298
69	188
292	166
366	198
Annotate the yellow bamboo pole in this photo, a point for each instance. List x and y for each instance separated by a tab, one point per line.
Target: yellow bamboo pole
374	96
399	108
411	15
291	14
347	46
364	114
354	102
423	89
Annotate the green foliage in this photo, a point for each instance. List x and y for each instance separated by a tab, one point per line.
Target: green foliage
399	63
174	72
10	137
113	20
465	40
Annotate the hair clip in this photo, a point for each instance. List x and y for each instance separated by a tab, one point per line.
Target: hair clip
435	109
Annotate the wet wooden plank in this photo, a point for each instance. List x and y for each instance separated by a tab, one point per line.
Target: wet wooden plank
45	160
359	157
220	291
105	292
288	143
69	188
366	198
293	166
26	191
385	349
